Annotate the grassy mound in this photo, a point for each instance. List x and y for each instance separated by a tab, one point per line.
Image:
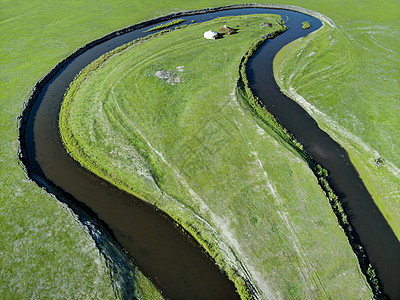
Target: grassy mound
161	119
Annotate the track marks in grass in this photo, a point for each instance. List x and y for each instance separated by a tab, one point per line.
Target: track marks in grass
357	148
340	131
220	223
351	96
187	140
306	268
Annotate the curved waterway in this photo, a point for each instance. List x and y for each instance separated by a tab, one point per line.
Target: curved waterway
372	230
164	252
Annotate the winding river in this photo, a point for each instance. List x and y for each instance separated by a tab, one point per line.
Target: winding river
158	246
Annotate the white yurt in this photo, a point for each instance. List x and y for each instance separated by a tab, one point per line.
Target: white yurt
210	35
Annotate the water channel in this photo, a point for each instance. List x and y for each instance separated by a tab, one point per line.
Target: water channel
165	253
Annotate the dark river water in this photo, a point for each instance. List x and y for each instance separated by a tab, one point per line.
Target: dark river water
163	251
372	229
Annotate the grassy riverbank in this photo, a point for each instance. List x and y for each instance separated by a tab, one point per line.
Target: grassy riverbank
190	146
36	230
345	77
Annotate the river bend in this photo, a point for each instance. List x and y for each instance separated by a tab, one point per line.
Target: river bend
170	257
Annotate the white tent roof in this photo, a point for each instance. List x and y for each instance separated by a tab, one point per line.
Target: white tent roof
210	34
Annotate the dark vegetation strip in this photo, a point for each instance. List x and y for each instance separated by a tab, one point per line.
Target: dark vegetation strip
252	102
166	25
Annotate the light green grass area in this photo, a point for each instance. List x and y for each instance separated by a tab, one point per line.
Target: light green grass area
38	235
347	79
161	120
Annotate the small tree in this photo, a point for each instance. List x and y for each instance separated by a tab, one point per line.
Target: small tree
306	25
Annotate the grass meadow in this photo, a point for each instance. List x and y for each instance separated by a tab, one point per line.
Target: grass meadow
185	139
347	79
40	239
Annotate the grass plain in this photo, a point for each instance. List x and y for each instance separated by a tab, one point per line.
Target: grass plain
362	111
38	231
191	142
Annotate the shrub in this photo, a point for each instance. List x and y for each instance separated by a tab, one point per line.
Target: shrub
306	25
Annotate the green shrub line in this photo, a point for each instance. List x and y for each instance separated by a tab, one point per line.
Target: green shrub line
336	204
166	25
253	104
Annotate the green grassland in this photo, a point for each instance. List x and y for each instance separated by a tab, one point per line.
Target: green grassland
191	147
40	238
346	77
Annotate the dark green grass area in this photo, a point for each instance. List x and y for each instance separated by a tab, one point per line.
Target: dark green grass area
164	119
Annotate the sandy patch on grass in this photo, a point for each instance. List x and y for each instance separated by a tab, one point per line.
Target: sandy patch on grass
170	76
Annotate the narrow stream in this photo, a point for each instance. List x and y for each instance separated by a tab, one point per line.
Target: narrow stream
170	257
372	229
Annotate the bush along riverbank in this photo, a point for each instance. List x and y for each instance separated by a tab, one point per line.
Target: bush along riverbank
252	103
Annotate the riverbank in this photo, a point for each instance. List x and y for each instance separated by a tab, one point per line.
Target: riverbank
330	110
173	162
258	108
